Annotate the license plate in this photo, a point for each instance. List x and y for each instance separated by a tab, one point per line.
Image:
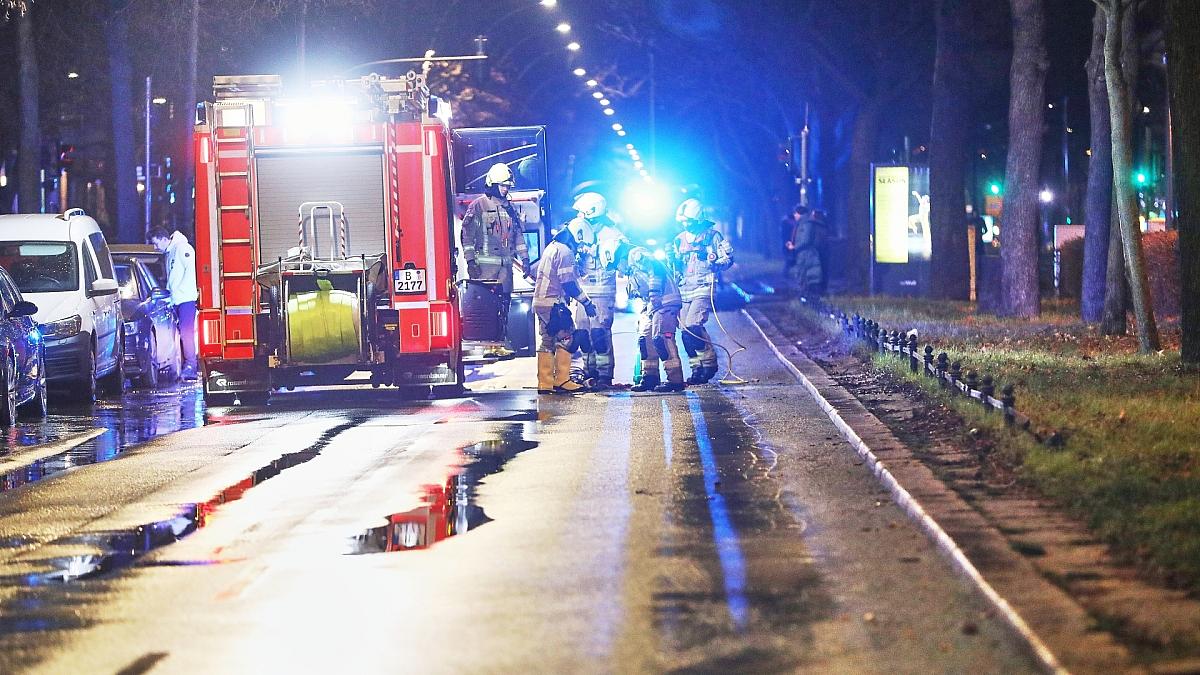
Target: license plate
409	281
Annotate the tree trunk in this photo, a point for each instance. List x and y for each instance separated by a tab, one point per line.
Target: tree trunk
1115	319
1019	248
186	170
857	255
29	157
1126	200
948	150
1098	207
127	214
1183	62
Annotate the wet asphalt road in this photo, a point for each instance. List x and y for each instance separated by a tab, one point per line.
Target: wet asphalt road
726	529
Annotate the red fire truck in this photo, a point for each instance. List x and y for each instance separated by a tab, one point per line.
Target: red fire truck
326	236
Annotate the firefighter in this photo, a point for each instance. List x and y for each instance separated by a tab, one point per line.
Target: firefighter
492	238
700	252
556	284
594	357
653	282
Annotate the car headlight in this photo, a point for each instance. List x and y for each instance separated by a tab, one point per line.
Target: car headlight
63	327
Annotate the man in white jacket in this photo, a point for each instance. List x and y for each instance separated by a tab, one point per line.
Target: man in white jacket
181	283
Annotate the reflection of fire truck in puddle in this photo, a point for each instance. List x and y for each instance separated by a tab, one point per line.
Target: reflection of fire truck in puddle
447	509
325	237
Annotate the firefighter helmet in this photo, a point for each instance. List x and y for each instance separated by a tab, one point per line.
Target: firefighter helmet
499	174
591	205
688	211
612	251
584	234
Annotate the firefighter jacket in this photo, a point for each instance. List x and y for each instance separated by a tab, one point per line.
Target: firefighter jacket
596	281
652	281
555	269
699	256
492	237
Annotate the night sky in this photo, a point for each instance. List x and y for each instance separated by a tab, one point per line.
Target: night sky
721	70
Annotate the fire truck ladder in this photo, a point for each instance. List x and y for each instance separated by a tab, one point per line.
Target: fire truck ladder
234	151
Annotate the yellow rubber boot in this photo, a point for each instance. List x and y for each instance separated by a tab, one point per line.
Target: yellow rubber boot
545	367
563	383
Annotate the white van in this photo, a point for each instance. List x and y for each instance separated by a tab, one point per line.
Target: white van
61	263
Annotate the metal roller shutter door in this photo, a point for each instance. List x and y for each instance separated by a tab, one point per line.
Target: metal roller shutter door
286	180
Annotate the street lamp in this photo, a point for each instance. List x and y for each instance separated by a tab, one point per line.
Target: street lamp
563	27
573	46
1046	196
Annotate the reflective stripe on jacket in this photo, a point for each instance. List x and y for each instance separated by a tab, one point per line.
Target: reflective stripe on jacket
555	269
693	251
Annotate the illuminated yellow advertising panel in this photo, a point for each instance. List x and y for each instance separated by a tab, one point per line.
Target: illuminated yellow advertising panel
891	214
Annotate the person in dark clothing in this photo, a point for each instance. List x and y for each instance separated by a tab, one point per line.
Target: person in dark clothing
787	228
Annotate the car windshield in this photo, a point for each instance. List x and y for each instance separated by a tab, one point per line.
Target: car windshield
41	266
126	286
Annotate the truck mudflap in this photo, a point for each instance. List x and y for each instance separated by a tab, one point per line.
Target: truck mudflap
235	377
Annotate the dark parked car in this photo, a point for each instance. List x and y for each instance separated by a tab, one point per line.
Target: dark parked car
152	257
22	356
152	351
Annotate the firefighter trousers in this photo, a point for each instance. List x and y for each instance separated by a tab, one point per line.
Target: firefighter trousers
696	340
593	357
656	344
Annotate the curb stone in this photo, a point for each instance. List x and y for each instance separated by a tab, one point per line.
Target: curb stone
1058	632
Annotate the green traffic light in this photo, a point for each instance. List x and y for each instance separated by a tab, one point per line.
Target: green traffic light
1140	178
994	188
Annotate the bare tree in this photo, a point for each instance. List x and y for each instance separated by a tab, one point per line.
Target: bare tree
1098	206
948	150
1122	150
1115	318
1183	62
128	223
30	151
1027	91
893	69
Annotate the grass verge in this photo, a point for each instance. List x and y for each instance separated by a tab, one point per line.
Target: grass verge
1131	463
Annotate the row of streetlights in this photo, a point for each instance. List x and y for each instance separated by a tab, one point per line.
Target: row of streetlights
592	84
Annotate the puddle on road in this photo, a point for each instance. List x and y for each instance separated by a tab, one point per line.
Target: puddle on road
448	509
119	549
136	417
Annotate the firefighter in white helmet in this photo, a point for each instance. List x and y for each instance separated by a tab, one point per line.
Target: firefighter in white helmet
593	336
700	253
492	238
650	280
557	283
